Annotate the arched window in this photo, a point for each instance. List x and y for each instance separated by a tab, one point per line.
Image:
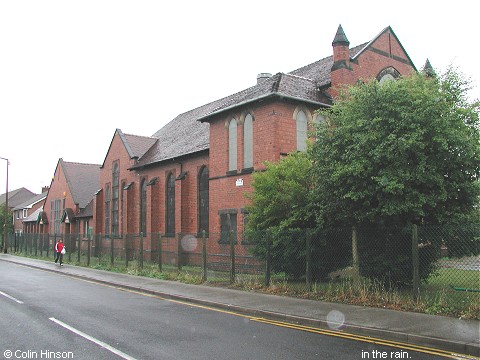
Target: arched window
143	207
302	123
203	199
115	196
122	195
389	73
170	205
248	142
232	145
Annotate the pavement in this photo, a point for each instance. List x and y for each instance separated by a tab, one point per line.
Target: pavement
439	332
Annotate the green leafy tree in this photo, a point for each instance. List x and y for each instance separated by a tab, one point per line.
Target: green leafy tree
281	195
279	211
397	153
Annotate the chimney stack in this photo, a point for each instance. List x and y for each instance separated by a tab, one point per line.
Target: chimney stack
263	76
45	189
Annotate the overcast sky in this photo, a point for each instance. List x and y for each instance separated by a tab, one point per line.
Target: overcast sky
71	72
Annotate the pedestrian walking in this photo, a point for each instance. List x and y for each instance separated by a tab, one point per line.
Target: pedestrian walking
60	249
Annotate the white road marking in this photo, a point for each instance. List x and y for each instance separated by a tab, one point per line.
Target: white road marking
92	339
11	298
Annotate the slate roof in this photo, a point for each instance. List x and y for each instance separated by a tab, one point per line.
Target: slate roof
86	212
319	71
189	132
16	197
31	201
83	181
135	145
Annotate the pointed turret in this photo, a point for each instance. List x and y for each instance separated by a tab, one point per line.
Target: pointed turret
428	69
340	37
341	72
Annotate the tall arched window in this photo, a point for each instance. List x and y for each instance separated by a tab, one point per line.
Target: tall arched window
115	196
232	145
248	142
143	207
302	122
203	199
122	195
170	205
107	210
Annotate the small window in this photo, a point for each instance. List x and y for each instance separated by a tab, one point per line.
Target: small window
232	145
228	222
25	213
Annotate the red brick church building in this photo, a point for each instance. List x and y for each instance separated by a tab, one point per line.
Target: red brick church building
192	174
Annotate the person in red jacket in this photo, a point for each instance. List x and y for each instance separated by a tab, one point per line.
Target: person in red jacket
60	249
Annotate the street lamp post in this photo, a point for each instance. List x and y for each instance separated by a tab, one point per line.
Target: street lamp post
5	232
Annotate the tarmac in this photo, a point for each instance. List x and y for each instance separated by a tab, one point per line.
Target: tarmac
457	336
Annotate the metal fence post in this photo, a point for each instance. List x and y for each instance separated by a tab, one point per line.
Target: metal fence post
308	259
160	252
112	255
232	257
268	259
89	248
79	242
70	247
415	263
125	244
204	256
140	255
355	258
179	251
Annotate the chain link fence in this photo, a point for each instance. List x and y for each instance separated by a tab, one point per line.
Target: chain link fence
421	261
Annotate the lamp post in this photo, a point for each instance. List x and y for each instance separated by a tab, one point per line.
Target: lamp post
5	232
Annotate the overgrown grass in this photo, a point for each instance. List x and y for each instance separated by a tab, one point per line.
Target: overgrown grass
437	296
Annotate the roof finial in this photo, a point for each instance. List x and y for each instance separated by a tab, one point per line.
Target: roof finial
340	37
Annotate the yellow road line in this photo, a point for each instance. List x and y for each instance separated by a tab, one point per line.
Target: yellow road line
339	334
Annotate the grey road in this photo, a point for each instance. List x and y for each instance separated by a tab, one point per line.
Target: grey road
46	315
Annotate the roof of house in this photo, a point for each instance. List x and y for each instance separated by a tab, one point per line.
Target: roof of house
83	181
86	212
33	217
32	201
189	132
16	197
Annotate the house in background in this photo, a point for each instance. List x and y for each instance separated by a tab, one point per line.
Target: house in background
71	191
16	197
24	210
